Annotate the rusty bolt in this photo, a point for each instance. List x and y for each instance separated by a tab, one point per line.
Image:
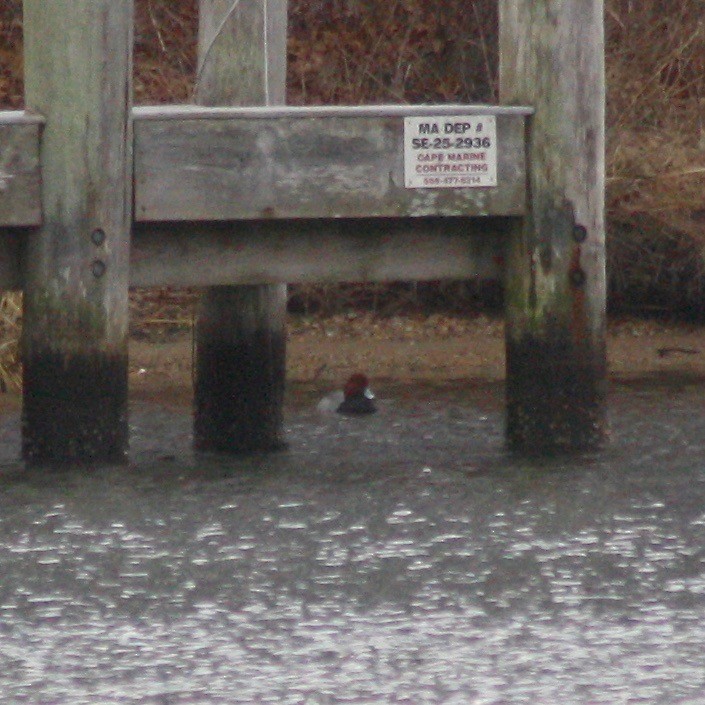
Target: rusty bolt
98	237
98	268
580	233
577	277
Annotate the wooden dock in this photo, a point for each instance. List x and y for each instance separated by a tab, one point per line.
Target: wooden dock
241	194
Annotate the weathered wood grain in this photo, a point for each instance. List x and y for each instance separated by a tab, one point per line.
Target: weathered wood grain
268	252
240	333
297	164
164	187
552	57
19	169
78	74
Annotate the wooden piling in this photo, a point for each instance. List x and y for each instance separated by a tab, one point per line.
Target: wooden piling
552	57
240	335
78	75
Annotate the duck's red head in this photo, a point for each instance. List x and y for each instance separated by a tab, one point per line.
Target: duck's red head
356	386
358	396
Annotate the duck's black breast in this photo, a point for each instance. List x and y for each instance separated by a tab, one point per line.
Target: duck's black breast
357	405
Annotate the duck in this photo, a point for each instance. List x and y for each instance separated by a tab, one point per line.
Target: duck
356	398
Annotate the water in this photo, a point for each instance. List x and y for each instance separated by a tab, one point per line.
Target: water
404	558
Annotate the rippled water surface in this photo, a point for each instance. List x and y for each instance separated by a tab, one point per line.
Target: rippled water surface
404	558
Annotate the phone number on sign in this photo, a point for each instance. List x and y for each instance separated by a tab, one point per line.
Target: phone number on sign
448	143
452	180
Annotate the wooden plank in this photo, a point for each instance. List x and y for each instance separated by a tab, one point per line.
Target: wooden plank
19	169
19	147
552	55
19	143
78	74
159	113
295	164
268	252
241	52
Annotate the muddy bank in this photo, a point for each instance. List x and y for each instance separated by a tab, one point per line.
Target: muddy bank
436	351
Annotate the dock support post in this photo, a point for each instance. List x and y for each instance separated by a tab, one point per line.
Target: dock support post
78	75
240	333
552	57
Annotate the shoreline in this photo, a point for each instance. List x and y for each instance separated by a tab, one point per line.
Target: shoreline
433	351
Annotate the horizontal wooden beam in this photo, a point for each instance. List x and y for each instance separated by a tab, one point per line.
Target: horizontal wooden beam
159	113
19	169
265	252
196	163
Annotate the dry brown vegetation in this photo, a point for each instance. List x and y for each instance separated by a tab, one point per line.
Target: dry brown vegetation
363	51
656	154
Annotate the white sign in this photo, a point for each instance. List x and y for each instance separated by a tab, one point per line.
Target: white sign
450	152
